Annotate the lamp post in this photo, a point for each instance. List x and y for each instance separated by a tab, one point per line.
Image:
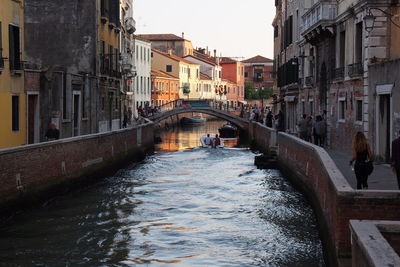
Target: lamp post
369	19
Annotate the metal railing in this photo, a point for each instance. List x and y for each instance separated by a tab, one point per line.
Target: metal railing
355	69
339	73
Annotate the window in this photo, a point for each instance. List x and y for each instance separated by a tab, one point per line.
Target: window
15	112
359	111
116	59
1	50
14	41
359	43
311	108
342	108
342	48
246	74
103	57
111	62
169	68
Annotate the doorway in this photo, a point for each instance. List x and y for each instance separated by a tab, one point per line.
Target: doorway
76	113
384	130
33	118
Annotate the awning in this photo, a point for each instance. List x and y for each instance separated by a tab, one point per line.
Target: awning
290	98
243	102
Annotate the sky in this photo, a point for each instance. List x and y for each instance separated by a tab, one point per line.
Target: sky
235	28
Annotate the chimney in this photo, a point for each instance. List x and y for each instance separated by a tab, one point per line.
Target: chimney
183	35
169	51
215	56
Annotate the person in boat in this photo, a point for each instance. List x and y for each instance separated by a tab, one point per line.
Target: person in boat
217	141
207	140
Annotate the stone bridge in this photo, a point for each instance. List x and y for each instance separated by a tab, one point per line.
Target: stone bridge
241	123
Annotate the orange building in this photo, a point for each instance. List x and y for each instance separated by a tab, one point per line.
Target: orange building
233	71
165	88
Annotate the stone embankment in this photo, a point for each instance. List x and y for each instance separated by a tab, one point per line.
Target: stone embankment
35	172
334	200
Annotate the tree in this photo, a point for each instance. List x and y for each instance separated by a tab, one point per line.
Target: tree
251	93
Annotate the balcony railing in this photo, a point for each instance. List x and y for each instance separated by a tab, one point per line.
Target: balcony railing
339	73
355	69
310	81
321	11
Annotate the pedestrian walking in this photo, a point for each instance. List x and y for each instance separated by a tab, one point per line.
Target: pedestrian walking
269	118
362	155
303	127
396	158
319	131
309	128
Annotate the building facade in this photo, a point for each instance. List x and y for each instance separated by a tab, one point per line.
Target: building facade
13	98
80	77
233	71
258	71
127	58
142	81
165	88
170	43
329	67
187	71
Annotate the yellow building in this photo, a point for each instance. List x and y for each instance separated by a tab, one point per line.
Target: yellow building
12	94
110	73
187	71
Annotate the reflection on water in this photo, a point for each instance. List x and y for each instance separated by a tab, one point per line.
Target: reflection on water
185	137
198	207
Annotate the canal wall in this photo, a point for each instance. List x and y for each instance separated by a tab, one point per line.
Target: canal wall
334	200
36	172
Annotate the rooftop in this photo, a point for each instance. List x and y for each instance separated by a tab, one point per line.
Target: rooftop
227	60
174	57
162	74
161	37
258	59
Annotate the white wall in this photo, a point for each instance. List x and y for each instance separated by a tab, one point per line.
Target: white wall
142	82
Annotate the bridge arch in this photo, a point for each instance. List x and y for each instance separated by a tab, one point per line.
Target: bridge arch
234	119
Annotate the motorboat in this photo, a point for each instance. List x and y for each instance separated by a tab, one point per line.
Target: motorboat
195	119
203	141
228	131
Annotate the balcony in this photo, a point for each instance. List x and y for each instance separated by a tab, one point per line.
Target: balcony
355	70
319	19
339	73
310	81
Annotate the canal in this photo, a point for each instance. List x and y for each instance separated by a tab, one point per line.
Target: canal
183	206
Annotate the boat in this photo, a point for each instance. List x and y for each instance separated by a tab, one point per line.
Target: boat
228	131
203	143
196	119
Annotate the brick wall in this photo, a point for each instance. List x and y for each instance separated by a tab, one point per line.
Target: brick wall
34	168
333	199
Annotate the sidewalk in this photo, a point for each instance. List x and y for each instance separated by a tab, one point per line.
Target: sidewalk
382	178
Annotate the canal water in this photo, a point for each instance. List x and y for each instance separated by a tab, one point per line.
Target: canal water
183	206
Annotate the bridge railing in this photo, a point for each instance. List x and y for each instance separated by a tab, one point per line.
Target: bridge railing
195	104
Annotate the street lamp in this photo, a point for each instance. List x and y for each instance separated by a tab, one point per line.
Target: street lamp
369	19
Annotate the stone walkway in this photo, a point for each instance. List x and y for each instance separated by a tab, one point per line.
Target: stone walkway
382	178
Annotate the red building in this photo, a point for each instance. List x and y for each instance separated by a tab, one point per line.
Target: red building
233	71
258	70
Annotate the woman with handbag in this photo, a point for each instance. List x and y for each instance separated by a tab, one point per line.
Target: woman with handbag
363	158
